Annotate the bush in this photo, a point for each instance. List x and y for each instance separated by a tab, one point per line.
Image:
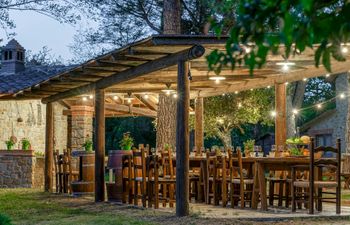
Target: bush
5	220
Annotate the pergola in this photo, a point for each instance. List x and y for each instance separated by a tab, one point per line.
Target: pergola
146	68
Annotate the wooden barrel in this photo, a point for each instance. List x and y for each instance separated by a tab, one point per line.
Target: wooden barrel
82	188
115	157
88	167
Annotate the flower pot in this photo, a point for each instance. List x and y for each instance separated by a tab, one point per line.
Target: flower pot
112	192
115	162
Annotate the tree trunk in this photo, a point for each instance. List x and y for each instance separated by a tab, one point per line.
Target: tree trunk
226	139
166	115
295	100
172	17
166	123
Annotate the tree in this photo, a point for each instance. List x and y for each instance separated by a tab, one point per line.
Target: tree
222	114
42	58
61	10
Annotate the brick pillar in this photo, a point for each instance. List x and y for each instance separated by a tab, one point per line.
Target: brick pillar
80	125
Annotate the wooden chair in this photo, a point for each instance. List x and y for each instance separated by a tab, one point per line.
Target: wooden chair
56	167
168	188
140	181
216	178
237	178
69	172
317	183
281	179
127	178
155	182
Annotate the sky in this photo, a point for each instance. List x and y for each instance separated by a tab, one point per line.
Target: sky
33	31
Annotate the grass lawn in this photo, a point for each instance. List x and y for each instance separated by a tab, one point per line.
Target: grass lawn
30	206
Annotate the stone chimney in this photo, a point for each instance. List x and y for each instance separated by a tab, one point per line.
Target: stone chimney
12	58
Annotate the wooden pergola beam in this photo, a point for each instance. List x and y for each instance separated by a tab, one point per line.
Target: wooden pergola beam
148	102
188	54
131	110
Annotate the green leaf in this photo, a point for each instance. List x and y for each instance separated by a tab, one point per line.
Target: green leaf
326	59
307	4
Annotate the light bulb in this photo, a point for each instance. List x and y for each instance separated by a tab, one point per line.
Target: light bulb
285	68
269	87
239	105
286	83
236	92
217	81
129	100
115	97
319	106
305	79
167	92
175	95
91	96
344	50
273	113
327	75
342	95
295	111
85	99
223	94
248	50
145	96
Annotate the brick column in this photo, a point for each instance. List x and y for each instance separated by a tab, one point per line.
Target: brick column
80	125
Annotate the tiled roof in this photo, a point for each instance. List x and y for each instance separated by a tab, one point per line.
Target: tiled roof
32	75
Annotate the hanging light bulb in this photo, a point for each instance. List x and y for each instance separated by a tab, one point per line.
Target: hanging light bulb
269	87
295	111
174	95
85	98
236	92
285	65
286	83
305	79
217	79
344	49
167	92
145	96
239	105
273	113
247	49
91	96
223	94
115	97
327	75
129	100
319	106
342	95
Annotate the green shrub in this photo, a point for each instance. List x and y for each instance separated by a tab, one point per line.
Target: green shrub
5	220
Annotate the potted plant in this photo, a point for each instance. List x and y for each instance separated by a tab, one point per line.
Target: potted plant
248	147
127	141
25	144
88	145
11	142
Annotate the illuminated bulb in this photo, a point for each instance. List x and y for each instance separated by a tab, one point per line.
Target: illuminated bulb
223	94
327	75
305	79
168	92
342	95
217	81
286	83
248	50
85	99
175	95
344	50
251	89
269	87
236	92
295	111
221	121
319	106
285	68
91	96
146	96
273	113
129	100
115	97
239	105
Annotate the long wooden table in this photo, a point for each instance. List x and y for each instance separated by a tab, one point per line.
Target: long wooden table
261	165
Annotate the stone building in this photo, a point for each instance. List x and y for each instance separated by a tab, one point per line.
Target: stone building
330	125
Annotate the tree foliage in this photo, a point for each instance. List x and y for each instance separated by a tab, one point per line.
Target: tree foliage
264	25
222	114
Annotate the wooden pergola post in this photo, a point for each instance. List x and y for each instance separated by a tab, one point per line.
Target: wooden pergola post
49	145
99	145
198	130
182	140
281	114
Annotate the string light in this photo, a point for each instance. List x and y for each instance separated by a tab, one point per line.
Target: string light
247	50
344	49
327	75
295	111
286	83
273	113
223	94
285	65
115	97
305	79
129	100
145	96
239	105
342	95
91	96
236	92
175	95
319	106
269	87
85	98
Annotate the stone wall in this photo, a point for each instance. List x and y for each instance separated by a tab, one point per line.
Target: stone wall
336	123
21	169
26	119
81	125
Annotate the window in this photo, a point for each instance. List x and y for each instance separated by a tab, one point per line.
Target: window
10	55
6	55
18	56
324	140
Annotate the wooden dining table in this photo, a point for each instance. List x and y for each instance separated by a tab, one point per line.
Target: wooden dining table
264	164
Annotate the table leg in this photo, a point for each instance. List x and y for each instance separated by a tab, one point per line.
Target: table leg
262	186
255	196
